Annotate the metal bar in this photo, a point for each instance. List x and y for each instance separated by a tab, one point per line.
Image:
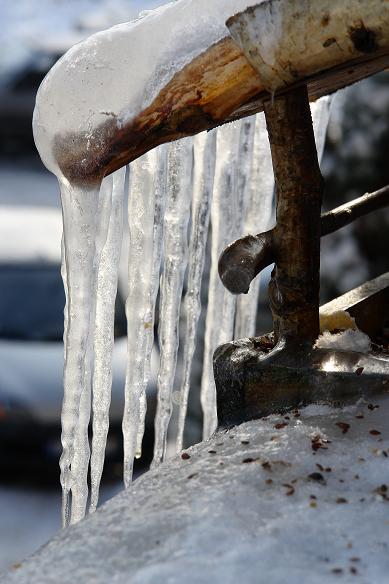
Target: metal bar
347	213
294	288
246	257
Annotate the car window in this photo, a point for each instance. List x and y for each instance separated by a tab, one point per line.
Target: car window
32	300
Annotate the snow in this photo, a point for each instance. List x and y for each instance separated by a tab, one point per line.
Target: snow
304	495
348	340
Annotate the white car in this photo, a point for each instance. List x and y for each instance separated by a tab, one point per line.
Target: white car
31	347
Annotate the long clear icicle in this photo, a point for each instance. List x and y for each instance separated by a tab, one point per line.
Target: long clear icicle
147	190
203	174
84	234
223	222
176	219
107	281
258	216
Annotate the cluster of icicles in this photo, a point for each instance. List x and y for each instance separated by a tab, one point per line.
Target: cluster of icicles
222	179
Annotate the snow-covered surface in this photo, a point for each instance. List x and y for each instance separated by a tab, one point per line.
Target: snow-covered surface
302	497
348	340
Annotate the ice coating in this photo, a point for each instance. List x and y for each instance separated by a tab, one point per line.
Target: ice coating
147	193
106	80
107	281
203	175
179	196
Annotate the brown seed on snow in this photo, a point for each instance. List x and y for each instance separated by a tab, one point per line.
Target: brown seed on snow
280	425
317	477
343	426
375	432
337	570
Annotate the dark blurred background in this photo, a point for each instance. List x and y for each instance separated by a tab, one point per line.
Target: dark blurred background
32	37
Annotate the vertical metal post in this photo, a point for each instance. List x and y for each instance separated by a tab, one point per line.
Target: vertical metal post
294	288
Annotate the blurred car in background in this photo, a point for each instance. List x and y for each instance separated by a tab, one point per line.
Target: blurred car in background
31	349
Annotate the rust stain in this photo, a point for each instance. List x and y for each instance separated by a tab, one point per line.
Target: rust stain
364	39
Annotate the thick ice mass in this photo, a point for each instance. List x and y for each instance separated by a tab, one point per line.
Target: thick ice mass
223	177
116	73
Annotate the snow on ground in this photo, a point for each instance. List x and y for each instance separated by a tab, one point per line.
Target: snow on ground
303	497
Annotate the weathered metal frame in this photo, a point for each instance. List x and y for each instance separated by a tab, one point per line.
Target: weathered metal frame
253	379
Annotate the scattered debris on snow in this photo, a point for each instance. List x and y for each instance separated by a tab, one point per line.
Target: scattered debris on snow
252	503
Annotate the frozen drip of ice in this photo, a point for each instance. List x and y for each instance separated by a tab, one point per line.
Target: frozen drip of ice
203	174
147	190
221	304
177	212
107	281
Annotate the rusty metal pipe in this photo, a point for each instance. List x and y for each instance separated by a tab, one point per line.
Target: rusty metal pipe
245	258
294	287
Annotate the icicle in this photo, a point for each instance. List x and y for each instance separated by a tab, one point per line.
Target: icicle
258	216
85	227
320	111
104	332
159	211
175	260
203	174
145	212
220	314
